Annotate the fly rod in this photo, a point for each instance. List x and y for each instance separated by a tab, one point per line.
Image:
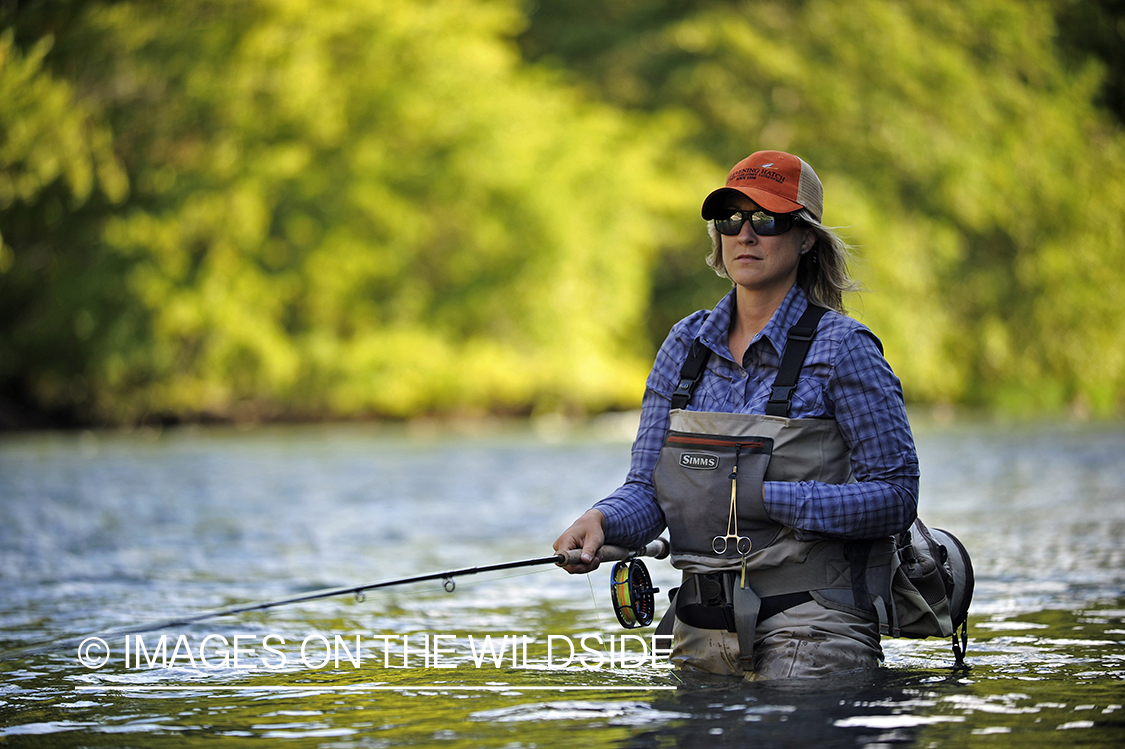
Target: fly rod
657	549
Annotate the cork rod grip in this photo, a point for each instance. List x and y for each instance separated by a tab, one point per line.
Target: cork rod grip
657	549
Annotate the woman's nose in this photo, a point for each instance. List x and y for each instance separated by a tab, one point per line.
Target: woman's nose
746	234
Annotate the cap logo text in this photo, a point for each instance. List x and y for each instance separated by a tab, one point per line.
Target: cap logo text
753	172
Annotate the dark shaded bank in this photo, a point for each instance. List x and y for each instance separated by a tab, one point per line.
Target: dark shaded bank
20	415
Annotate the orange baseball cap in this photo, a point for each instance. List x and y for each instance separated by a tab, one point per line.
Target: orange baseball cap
777	181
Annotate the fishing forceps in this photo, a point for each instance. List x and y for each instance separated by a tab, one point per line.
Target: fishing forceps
742	544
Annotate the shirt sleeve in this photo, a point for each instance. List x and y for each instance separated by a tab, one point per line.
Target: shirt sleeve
632	516
868	406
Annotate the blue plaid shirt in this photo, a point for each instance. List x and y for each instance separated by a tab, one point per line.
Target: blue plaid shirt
845	378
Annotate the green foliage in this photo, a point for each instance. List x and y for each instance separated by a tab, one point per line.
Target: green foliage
960	153
344	207
1094	31
287	208
57	170
47	136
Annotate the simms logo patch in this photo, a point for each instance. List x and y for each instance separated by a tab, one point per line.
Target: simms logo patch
699	461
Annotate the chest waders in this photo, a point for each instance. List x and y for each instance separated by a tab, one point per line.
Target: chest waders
740	566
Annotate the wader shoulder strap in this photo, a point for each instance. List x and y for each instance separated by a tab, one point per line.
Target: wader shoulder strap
797	345
690	373
796	349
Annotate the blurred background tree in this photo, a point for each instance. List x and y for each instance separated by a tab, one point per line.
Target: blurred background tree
969	150
288	209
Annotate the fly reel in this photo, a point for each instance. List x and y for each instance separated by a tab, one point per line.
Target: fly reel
630	588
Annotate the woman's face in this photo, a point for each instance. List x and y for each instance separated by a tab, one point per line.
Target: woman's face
763	264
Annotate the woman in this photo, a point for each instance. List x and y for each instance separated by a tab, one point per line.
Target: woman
780	497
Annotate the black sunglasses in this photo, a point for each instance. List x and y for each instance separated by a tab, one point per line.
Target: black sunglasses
764	223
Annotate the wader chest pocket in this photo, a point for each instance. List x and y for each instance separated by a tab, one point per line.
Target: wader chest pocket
710	489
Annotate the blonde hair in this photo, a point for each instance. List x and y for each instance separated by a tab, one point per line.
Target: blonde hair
822	272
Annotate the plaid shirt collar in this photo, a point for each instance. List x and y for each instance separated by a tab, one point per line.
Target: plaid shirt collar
715	328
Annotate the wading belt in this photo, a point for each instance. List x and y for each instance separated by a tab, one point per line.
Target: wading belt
708	601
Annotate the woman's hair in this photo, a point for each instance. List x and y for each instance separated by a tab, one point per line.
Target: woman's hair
822	271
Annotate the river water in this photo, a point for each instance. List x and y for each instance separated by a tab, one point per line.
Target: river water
106	531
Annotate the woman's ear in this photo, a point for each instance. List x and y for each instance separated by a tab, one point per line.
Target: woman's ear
809	241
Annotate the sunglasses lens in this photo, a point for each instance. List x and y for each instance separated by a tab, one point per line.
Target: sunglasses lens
765	224
730	226
769	224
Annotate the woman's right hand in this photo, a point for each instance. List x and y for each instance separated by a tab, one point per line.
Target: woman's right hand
588	534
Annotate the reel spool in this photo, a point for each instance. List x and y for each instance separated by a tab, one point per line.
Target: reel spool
630	589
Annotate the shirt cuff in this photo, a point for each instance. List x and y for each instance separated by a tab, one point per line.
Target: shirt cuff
627	524
782	500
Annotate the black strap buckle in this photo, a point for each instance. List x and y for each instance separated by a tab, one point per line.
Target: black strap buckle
798	333
782	394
